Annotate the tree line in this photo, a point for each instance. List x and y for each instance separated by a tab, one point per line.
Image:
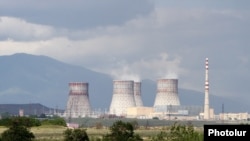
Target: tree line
19	130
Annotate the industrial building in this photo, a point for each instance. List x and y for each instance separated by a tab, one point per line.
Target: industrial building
140	112
127	102
167	104
233	116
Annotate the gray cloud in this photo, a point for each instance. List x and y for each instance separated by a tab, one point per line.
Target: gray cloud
78	14
19	29
166	41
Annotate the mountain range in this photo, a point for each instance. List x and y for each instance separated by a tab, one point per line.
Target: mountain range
27	78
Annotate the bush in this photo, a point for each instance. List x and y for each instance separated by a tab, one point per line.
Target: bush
184	132
179	133
98	125
135	124
24	121
122	131
17	132
55	121
75	135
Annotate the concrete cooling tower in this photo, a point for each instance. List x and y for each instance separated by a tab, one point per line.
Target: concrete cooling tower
137	94
167	92
78	104
123	97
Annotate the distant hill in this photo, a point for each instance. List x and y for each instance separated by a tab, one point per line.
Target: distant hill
29	78
28	109
39	79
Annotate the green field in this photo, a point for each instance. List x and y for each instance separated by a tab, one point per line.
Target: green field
96	128
55	133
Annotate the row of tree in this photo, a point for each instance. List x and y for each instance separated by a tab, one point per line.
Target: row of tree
31	122
18	130
18	127
124	131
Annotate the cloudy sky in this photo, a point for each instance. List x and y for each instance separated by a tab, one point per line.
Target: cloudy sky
138	39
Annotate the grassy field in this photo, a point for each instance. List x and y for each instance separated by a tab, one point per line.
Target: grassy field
148	128
45	133
145	133
55	133
48	133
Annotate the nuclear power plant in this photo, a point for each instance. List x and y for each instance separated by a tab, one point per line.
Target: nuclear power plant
167	92
123	97
78	104
127	101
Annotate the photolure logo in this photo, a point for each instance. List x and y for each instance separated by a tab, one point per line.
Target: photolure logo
227	131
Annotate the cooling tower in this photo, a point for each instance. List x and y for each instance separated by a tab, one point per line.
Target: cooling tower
78	104
167	92
137	94
123	97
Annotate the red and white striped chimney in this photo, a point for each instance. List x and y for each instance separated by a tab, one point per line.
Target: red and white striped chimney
206	101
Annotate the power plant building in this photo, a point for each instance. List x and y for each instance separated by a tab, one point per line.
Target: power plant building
78	104
167	101
127	102
123	97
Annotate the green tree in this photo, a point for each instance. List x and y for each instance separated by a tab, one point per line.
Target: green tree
184	133
17	132
76	135
122	131
179	132
160	137
24	121
54	121
98	125
135	124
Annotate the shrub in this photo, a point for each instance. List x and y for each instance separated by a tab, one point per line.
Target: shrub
122	131
98	125
179	133
184	132
55	121
17	132
75	135
24	121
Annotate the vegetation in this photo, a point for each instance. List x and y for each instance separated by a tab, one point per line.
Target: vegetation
18	131
54	121
122	131
18	128
54	129
22	121
32	122
179	133
75	135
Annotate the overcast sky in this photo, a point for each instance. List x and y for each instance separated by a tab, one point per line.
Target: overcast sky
138	39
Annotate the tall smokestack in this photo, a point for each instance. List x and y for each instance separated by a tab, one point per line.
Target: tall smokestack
123	97
78	104
167	92
206	101
137	94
